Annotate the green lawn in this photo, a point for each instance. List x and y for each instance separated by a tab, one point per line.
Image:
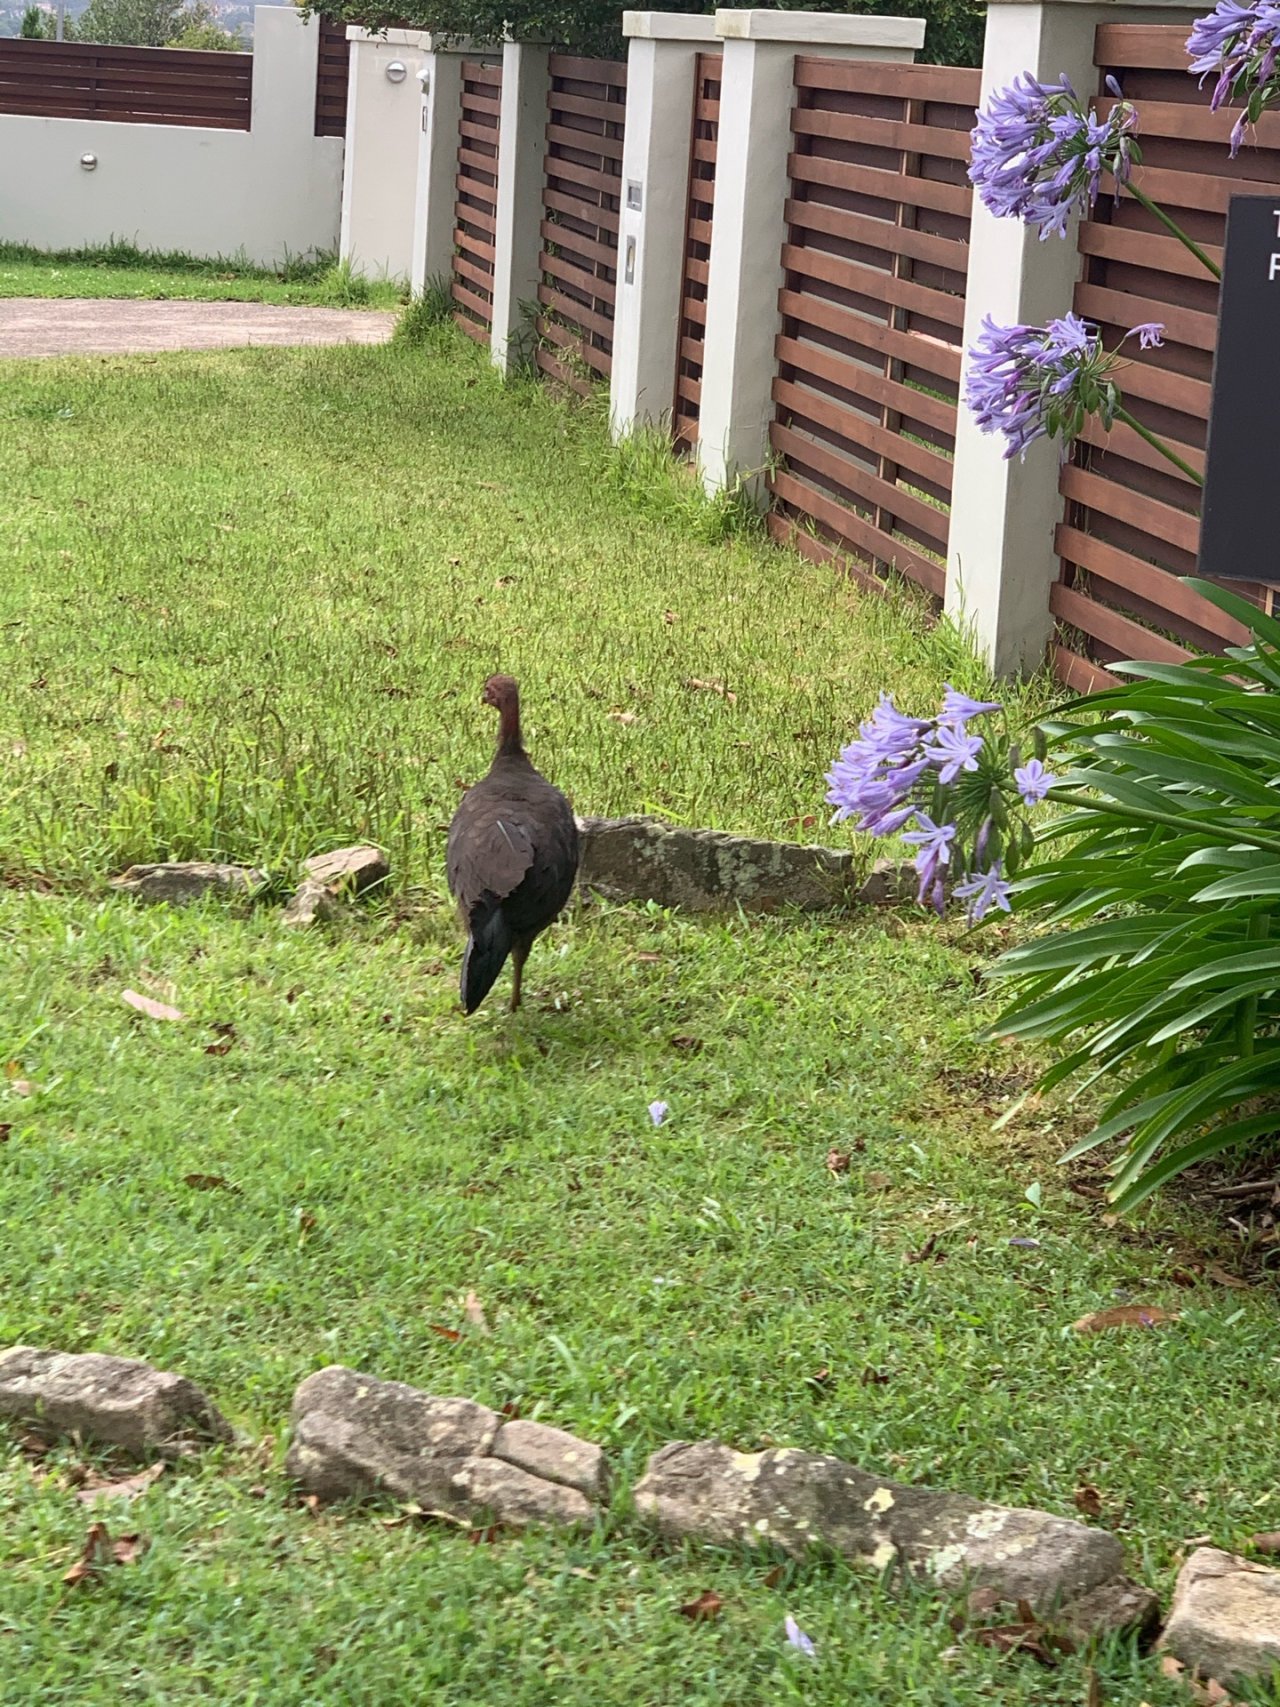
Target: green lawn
247	604
121	270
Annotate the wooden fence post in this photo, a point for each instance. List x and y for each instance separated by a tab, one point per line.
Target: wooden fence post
1001	561
522	144
756	96
661	74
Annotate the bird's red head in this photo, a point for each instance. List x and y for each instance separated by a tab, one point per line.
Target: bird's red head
500	692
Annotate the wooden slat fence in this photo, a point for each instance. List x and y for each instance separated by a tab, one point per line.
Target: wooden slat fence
126	85
332	69
475	210
697	252
872	310
586	107
1130	524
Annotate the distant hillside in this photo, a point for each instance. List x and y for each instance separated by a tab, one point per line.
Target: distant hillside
232	14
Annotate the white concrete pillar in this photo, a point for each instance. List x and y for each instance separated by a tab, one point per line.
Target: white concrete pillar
380	164
661	85
757	90
522	146
437	74
1001	560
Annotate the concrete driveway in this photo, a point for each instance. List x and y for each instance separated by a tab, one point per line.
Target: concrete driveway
42	326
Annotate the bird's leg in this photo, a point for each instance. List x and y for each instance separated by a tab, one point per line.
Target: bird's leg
519	954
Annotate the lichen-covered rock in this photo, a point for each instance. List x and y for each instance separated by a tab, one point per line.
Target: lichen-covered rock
797	1500
642	859
503	1493
355	1436
114	1401
310	901
553	1454
348	870
1225	1618
179	882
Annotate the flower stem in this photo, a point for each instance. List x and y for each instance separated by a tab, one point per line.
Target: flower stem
1123	414
1173	226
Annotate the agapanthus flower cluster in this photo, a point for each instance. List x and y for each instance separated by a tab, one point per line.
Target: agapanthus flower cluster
1033	382
1239	46
959	798
1039	153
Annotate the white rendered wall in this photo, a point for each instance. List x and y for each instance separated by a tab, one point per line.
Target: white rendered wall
273	190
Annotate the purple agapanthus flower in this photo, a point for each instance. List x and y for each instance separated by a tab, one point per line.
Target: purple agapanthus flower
798	1639
1034	782
953	751
958	708
934	844
1039	154
1150	335
1033	382
658	1112
1239	47
984	890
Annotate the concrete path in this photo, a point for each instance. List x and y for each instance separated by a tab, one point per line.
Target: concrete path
41	326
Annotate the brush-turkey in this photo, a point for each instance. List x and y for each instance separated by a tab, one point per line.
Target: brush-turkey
512	857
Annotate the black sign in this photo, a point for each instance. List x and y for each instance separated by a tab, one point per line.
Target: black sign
1242	478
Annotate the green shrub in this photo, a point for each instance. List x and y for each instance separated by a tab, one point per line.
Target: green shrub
953	36
1161	968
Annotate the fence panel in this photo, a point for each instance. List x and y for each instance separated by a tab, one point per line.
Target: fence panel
586	108
126	85
872	315
475	210
1131	526
697	252
333	63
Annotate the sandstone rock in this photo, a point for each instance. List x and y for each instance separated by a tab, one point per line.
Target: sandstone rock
181	881
796	1500
642	859
553	1455
350	870
117	1401
504	1493
1114	1608
355	1436
309	902
1225	1618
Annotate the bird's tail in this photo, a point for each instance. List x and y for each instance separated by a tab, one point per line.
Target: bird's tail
488	946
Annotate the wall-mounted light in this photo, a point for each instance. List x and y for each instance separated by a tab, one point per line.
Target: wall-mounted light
424	78
397	71
89	162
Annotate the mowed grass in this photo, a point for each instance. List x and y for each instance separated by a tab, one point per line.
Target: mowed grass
218	569
123	270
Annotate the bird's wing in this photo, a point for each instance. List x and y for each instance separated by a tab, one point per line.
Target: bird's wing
489	852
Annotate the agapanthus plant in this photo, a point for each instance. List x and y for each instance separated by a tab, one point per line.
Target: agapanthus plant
1039	153
1034	382
1239	46
959	798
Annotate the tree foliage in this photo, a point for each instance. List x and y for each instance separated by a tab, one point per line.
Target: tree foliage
154	23
953	35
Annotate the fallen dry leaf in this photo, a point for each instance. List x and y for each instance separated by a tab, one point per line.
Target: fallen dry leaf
210	1182
6	1129
222	1047
705	1607
152	1009
128	1549
874	1377
94	1555
473	1310
774	1575
837	1161
1266	1541
484	1537
223	1028
1088	1500
687	1045
445	1333
22	1087
647	958
928	1252
1125	1316
1215	1271
307	1222
619	716
128	1488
